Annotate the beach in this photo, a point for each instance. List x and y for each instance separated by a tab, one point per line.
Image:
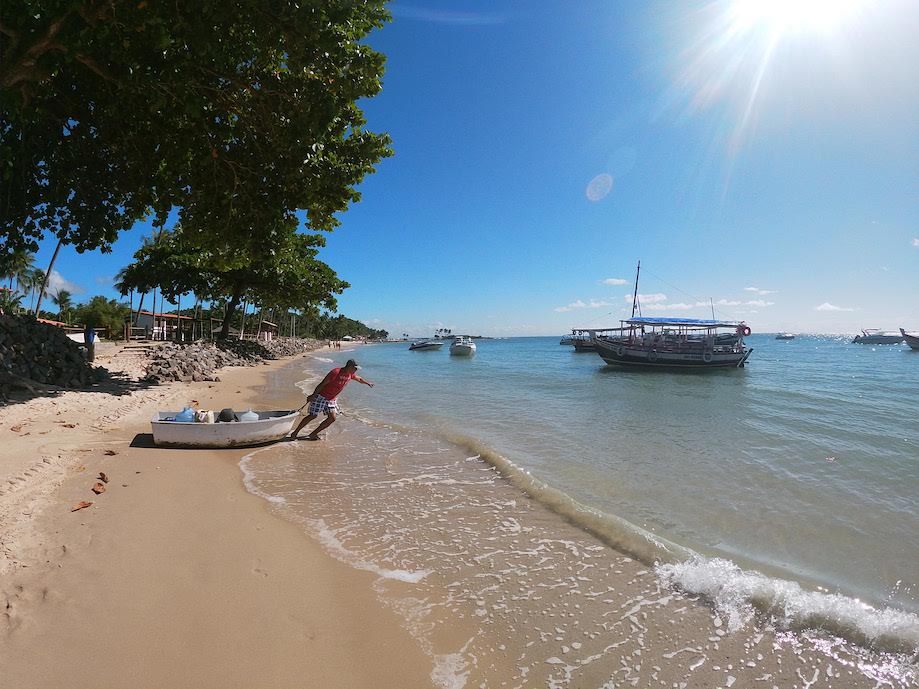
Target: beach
175	575
376	558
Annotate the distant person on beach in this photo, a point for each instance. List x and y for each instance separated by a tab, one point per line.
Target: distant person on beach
89	338
323	398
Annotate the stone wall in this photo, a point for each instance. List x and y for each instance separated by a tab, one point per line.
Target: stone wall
40	353
200	360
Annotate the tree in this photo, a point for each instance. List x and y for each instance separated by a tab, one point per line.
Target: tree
226	111
37	281
284	272
63	300
100	312
17	266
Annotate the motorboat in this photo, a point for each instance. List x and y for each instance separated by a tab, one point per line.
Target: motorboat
677	343
878	337
912	339
462	346
785	336
425	346
582	338
268	427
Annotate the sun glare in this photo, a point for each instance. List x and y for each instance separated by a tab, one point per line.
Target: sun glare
785	15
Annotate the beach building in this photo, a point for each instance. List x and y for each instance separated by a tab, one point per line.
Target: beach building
166	326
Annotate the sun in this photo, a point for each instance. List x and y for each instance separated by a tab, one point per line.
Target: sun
779	16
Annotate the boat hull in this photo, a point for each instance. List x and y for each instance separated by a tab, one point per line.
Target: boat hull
271	426
911	340
878	339
426	346
625	354
462	350
584	346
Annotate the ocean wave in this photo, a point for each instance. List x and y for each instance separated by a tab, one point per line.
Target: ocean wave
738	593
734	592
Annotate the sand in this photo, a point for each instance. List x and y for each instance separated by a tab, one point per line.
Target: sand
175	576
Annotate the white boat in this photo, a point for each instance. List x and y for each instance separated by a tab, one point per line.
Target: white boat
270	426
462	346
425	346
875	336
785	336
912	339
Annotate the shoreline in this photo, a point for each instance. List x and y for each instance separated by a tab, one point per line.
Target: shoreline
498	524
177	575
196	574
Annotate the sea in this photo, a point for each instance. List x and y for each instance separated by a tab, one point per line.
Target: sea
787	490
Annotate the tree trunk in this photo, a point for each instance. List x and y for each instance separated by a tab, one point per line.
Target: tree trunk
140	305
44	283
242	324
261	318
228	313
178	318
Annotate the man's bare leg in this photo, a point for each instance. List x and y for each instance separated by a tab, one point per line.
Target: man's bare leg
330	419
306	420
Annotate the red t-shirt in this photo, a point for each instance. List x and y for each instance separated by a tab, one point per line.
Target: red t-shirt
336	384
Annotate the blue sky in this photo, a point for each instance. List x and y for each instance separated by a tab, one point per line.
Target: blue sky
767	159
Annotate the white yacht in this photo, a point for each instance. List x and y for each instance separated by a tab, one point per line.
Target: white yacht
462	346
875	336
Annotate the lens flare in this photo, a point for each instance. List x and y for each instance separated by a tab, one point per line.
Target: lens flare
599	186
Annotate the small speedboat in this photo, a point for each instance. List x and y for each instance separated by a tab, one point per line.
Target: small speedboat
784	336
462	346
875	336
912	339
269	427
425	346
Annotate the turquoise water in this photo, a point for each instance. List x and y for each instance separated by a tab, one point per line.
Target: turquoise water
803	466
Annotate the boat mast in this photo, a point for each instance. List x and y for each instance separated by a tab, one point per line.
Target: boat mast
635	295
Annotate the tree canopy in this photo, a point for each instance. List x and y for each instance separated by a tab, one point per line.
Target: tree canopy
284	273
233	113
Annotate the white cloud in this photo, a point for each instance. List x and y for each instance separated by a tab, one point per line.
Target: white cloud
647	298
761	292
916	242
725	302
678	306
759	302
592	304
614	281
57	282
826	306
104	279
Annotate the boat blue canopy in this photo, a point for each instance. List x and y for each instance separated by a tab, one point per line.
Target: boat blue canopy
685	322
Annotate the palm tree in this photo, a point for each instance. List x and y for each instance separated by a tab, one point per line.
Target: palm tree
20	268
64	302
35	279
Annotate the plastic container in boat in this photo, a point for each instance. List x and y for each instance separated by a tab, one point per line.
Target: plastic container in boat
187	415
248	415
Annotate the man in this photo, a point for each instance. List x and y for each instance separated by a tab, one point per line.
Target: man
89	339
323	398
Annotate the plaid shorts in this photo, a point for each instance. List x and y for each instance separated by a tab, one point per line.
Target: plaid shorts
321	404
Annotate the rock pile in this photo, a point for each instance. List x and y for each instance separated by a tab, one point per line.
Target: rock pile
40	353
198	361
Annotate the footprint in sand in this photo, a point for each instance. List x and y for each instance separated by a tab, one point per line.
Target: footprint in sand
257	569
